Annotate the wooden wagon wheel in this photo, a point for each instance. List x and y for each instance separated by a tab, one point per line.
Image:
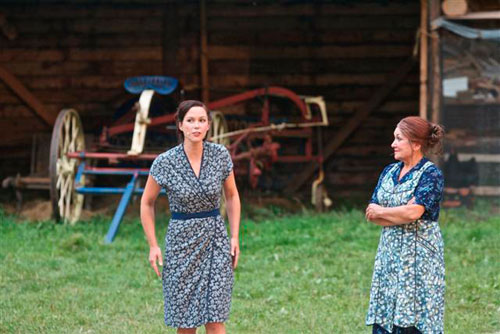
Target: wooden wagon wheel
217	128
67	137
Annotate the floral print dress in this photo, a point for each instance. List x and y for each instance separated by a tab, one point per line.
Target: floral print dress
197	273
408	279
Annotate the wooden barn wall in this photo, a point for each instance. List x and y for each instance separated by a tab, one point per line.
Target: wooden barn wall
78	56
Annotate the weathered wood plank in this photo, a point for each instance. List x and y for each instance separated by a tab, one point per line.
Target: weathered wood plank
304	9
90	25
312	38
65	96
343	93
143	54
60	11
55	55
63	40
345	179
7	55
385	122
75	68
304	66
292	80
387	107
216	52
14	111
27	125
90	81
319	23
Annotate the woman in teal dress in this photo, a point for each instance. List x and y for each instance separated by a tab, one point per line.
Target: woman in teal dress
407	292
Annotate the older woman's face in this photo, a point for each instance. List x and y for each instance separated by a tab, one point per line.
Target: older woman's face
402	146
195	124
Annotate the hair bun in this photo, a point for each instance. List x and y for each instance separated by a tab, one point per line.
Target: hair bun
436	136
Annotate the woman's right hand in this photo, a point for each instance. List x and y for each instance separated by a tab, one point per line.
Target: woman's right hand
154	256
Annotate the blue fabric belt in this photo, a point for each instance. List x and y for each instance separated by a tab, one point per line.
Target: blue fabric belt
202	214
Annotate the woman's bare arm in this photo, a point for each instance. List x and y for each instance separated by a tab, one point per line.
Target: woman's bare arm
148	199
398	215
233	206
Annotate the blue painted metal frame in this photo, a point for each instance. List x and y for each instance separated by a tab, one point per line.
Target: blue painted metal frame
115	223
129	190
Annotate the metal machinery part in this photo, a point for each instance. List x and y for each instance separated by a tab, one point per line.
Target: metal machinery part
268	150
218	128
67	137
319	195
141	122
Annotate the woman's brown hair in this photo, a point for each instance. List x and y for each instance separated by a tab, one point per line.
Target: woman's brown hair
423	132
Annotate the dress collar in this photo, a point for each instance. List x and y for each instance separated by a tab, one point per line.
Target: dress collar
415	168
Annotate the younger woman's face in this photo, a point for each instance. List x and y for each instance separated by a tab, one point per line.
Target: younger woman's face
195	124
403	148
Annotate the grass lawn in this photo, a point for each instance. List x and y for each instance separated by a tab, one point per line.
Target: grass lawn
305	273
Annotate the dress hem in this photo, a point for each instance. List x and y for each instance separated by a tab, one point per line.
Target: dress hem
196	325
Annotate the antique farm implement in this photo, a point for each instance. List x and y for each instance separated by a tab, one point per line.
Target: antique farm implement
253	136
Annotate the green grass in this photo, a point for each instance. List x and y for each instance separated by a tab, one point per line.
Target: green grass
305	273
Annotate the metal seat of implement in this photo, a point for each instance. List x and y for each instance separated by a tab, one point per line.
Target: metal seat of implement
160	84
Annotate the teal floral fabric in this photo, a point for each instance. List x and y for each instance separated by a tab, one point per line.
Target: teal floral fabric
429	189
408	278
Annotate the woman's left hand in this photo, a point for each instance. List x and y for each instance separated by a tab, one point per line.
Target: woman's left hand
235	251
373	211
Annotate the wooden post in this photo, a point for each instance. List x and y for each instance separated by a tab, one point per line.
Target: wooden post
170	40
435	65
423	58
204	54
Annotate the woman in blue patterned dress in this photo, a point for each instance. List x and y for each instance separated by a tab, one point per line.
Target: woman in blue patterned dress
407	292
199	257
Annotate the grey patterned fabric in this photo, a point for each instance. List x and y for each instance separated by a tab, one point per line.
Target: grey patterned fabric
408	276
197	272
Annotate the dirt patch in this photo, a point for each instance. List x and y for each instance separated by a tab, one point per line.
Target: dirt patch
35	210
41	209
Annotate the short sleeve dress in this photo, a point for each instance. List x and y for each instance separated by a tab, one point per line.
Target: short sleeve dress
408	281
197	273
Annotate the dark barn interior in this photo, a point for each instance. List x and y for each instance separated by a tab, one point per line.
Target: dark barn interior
361	56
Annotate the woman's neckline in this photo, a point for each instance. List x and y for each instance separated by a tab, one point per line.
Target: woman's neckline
189	162
402	166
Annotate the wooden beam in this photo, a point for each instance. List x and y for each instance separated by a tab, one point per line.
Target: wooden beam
205	92
423	58
170	41
17	87
353	123
238	52
435	65
307	8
